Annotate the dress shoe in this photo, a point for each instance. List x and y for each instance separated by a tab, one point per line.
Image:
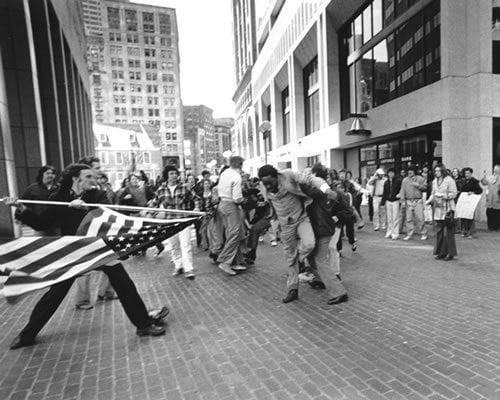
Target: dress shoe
354	247
213	257
338	299
227	269
438	257
178	272
238	268
317	284
151	330
189	275
158	316
19	342
448	258
293	294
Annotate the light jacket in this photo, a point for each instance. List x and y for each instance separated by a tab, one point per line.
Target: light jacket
447	189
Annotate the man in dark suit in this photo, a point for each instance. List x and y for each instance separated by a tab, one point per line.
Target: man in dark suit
78	186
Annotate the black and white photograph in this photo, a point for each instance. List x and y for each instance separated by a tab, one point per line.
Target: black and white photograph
249	199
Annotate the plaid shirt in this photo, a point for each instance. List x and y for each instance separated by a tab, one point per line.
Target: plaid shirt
183	199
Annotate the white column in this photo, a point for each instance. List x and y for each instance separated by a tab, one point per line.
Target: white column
296	85
276	115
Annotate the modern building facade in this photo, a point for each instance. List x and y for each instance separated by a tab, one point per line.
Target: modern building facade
45	112
124	149
222	137
133	58
199	139
421	76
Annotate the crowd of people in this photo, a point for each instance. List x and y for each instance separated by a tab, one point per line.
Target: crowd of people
309	212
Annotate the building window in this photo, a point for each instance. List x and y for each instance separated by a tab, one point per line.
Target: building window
151	76
119	157
166	42
148	22
113	18
285	104
165	24
311	96
104	157
151	64
151	88
149	52
115	50
96	79
115	74
133	51
406	60
147	158
132	38
134	63
131	20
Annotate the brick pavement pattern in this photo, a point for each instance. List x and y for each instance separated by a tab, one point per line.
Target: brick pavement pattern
414	328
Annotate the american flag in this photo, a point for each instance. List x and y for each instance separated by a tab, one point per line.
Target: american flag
32	263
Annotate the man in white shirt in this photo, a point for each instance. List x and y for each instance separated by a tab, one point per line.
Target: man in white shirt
379	217
230	259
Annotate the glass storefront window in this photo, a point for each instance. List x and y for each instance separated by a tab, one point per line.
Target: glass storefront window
415	146
368	153
358	32
388	150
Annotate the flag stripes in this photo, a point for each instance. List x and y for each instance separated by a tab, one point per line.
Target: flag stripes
104	236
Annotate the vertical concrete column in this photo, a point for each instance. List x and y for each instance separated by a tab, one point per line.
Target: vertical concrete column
276	115
296	85
332	83
322	71
8	182
337	159
467	129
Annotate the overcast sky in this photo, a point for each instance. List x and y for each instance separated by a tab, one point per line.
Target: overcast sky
206	52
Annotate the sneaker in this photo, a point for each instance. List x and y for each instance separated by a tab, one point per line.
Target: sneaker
375	229
189	275
464	235
178	272
424	237
274	243
407	238
395	237
227	269
387	236
361	226
84	306
238	268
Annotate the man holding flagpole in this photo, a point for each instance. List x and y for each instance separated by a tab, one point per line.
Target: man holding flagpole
77	183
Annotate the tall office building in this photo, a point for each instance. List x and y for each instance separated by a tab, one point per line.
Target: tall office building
45	114
133	58
365	84
199	140
222	138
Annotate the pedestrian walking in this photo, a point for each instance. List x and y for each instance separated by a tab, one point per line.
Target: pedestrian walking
230	190
284	191
174	195
78	186
444	191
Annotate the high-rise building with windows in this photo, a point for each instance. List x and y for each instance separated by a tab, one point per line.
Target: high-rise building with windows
199	138
364	84
133	58
222	138
45	113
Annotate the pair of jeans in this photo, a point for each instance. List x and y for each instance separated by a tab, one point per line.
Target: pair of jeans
298	242
181	250
378	213
326	260
120	280
253	235
415	217
83	289
392	210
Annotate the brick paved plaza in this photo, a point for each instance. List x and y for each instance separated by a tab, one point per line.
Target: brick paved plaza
414	328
